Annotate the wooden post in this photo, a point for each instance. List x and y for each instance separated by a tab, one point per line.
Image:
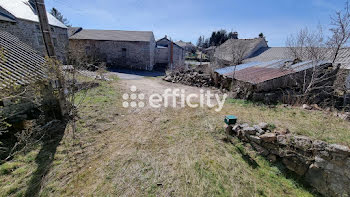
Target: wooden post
46	31
45	28
171	54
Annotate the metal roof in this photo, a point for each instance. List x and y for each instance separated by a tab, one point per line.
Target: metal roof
22	9
20	64
267	54
261	72
113	35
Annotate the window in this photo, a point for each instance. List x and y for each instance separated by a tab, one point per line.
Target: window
52	29
124	52
54	41
40	40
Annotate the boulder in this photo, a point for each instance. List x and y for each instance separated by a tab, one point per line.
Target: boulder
269	137
307	107
302	142
336	148
263	125
248	131
254	138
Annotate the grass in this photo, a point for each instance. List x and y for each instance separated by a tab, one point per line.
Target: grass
164	152
316	124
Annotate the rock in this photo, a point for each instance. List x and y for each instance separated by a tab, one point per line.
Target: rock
272	158
282	132
336	148
249	131
254	138
284	139
263	125
319	145
259	130
316	107
269	137
229	130
261	150
307	107
296	165
302	142
244	125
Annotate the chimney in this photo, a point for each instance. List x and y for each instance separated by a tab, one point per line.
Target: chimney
235	35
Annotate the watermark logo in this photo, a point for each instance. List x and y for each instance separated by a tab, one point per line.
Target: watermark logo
136	100
174	98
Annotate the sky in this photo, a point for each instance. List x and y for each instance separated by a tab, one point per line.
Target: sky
188	19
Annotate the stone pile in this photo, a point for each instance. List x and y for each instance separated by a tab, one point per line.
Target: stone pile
190	77
324	166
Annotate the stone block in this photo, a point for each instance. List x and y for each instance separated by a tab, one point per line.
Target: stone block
254	138
269	137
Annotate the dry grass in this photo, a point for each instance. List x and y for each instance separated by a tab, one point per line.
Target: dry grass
167	152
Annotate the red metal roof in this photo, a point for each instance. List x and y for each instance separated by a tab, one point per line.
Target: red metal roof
259	74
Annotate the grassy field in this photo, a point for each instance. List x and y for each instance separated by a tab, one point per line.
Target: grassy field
165	152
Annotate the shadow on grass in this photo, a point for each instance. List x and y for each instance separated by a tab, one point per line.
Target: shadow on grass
247	158
45	158
298	180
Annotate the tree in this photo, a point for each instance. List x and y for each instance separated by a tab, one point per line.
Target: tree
59	16
340	31
200	41
261	35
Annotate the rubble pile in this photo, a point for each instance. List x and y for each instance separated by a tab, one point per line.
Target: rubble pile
324	166
190	77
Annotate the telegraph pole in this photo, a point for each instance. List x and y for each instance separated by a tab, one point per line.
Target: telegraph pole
45	28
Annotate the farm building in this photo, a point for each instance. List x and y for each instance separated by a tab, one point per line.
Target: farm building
19	63
169	54
19	18
119	49
188	46
236	50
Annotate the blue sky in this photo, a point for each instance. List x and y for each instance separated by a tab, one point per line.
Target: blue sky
188	19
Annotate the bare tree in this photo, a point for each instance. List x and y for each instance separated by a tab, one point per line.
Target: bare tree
340	28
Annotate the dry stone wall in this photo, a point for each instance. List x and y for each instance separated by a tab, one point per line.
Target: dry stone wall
326	167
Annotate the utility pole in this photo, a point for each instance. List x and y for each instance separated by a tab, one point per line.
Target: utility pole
45	28
46	31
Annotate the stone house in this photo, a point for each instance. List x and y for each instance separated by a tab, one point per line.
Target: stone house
19	17
169	54
188	46
119	49
239	49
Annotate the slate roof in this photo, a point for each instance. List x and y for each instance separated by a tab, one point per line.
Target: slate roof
185	45
73	30
168	41
22	9
224	51
113	35
21	64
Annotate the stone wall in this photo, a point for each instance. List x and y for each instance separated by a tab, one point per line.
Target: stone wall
178	53
326	167
117	54
30	33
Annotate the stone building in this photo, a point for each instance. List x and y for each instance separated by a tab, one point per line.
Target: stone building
119	49
234	51
188	46
169	54
19	17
